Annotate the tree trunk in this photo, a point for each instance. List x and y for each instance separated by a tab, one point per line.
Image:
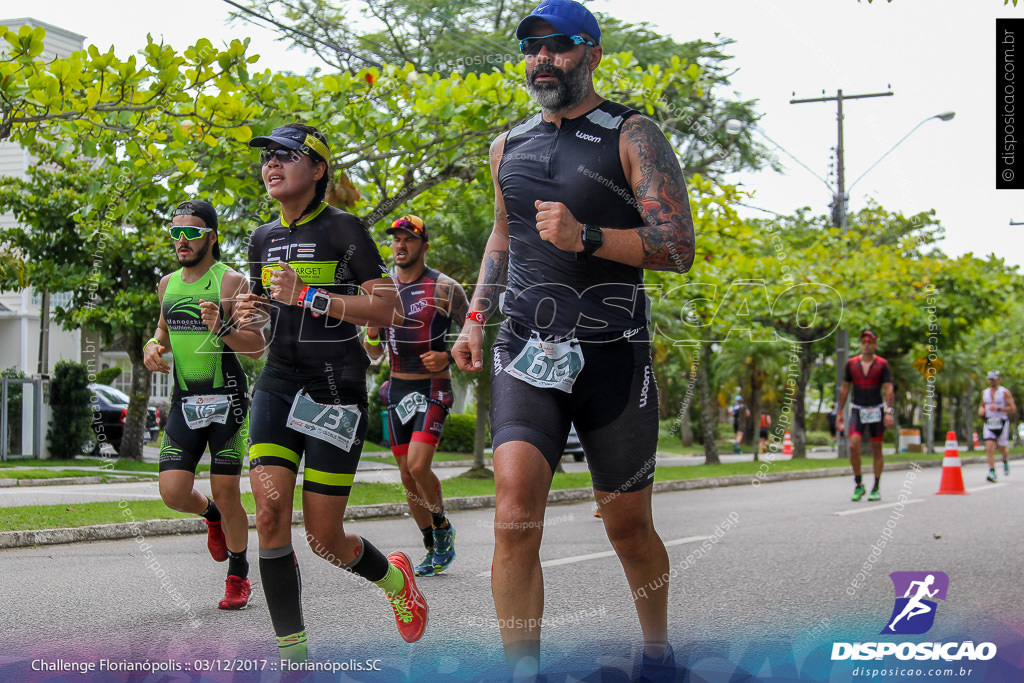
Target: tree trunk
707	410
754	420
755	414
685	426
799	412
483	399
135	422
685	423
483	407
968	422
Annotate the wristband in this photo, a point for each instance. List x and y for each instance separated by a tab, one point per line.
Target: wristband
226	329
451	358
153	340
302	297
477	316
373	341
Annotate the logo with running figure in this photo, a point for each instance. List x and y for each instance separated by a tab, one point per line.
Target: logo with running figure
916	593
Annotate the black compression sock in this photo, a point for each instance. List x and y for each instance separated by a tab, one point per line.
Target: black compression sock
370	563
238	564
282	587
212	513
876	484
439	520
428	537
857	479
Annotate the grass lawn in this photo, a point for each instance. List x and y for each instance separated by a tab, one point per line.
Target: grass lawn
56	516
46	474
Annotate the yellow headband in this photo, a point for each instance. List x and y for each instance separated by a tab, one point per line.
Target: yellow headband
318	147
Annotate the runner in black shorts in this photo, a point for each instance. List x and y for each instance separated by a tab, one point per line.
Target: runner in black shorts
587	194
324	275
419	393
996	407
210	400
871	379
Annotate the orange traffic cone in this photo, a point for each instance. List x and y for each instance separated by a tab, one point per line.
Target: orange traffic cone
952	473
787	445
975	439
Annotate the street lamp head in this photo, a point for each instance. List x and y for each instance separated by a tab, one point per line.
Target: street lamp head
734	126
945	116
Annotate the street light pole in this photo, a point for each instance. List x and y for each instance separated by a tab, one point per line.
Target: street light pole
839	221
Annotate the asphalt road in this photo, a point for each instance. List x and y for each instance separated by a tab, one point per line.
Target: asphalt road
772	592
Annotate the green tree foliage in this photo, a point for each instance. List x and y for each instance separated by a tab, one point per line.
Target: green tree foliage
71	425
465	36
108	375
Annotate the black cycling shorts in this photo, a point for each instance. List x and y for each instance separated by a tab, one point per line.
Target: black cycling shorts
182	447
613	404
329	469
424	426
873	430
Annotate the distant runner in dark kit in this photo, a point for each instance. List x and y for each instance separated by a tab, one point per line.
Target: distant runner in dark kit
419	393
588	193
872	408
323	275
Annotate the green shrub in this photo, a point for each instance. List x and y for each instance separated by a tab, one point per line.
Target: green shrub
459	433
108	375
71	409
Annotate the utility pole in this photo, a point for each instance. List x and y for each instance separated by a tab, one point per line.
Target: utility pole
839	221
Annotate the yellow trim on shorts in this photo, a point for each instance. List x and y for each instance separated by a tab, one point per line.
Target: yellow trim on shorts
327	478
260	450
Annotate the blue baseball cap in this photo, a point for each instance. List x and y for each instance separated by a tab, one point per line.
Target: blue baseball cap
567	16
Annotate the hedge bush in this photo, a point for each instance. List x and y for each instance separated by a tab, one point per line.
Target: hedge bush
459	433
71	409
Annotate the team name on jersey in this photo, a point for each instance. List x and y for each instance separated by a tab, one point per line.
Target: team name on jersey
418	306
589	138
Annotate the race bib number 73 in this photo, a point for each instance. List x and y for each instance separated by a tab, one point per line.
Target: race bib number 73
334	424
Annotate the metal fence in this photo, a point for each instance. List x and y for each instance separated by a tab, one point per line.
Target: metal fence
21	409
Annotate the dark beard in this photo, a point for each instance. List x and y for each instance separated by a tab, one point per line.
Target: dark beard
570	89
197	256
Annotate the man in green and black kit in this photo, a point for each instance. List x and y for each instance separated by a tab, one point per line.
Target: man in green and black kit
210	400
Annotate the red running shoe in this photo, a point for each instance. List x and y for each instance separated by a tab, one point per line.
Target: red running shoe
216	542
409	605
236	593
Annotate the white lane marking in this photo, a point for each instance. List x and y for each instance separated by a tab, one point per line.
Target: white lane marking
607	553
987	487
872	508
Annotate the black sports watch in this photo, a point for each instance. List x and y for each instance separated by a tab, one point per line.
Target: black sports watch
593	238
321	303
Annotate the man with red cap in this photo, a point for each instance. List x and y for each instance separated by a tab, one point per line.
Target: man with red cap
872	409
419	393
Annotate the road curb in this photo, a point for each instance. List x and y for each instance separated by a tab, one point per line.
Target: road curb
168	527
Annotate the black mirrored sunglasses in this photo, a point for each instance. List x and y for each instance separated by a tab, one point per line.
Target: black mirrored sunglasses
555	43
283	156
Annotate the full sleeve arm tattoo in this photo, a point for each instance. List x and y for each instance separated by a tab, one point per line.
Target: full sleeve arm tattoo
668	236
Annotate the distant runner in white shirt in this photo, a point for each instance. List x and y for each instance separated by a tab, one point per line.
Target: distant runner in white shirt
996	407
